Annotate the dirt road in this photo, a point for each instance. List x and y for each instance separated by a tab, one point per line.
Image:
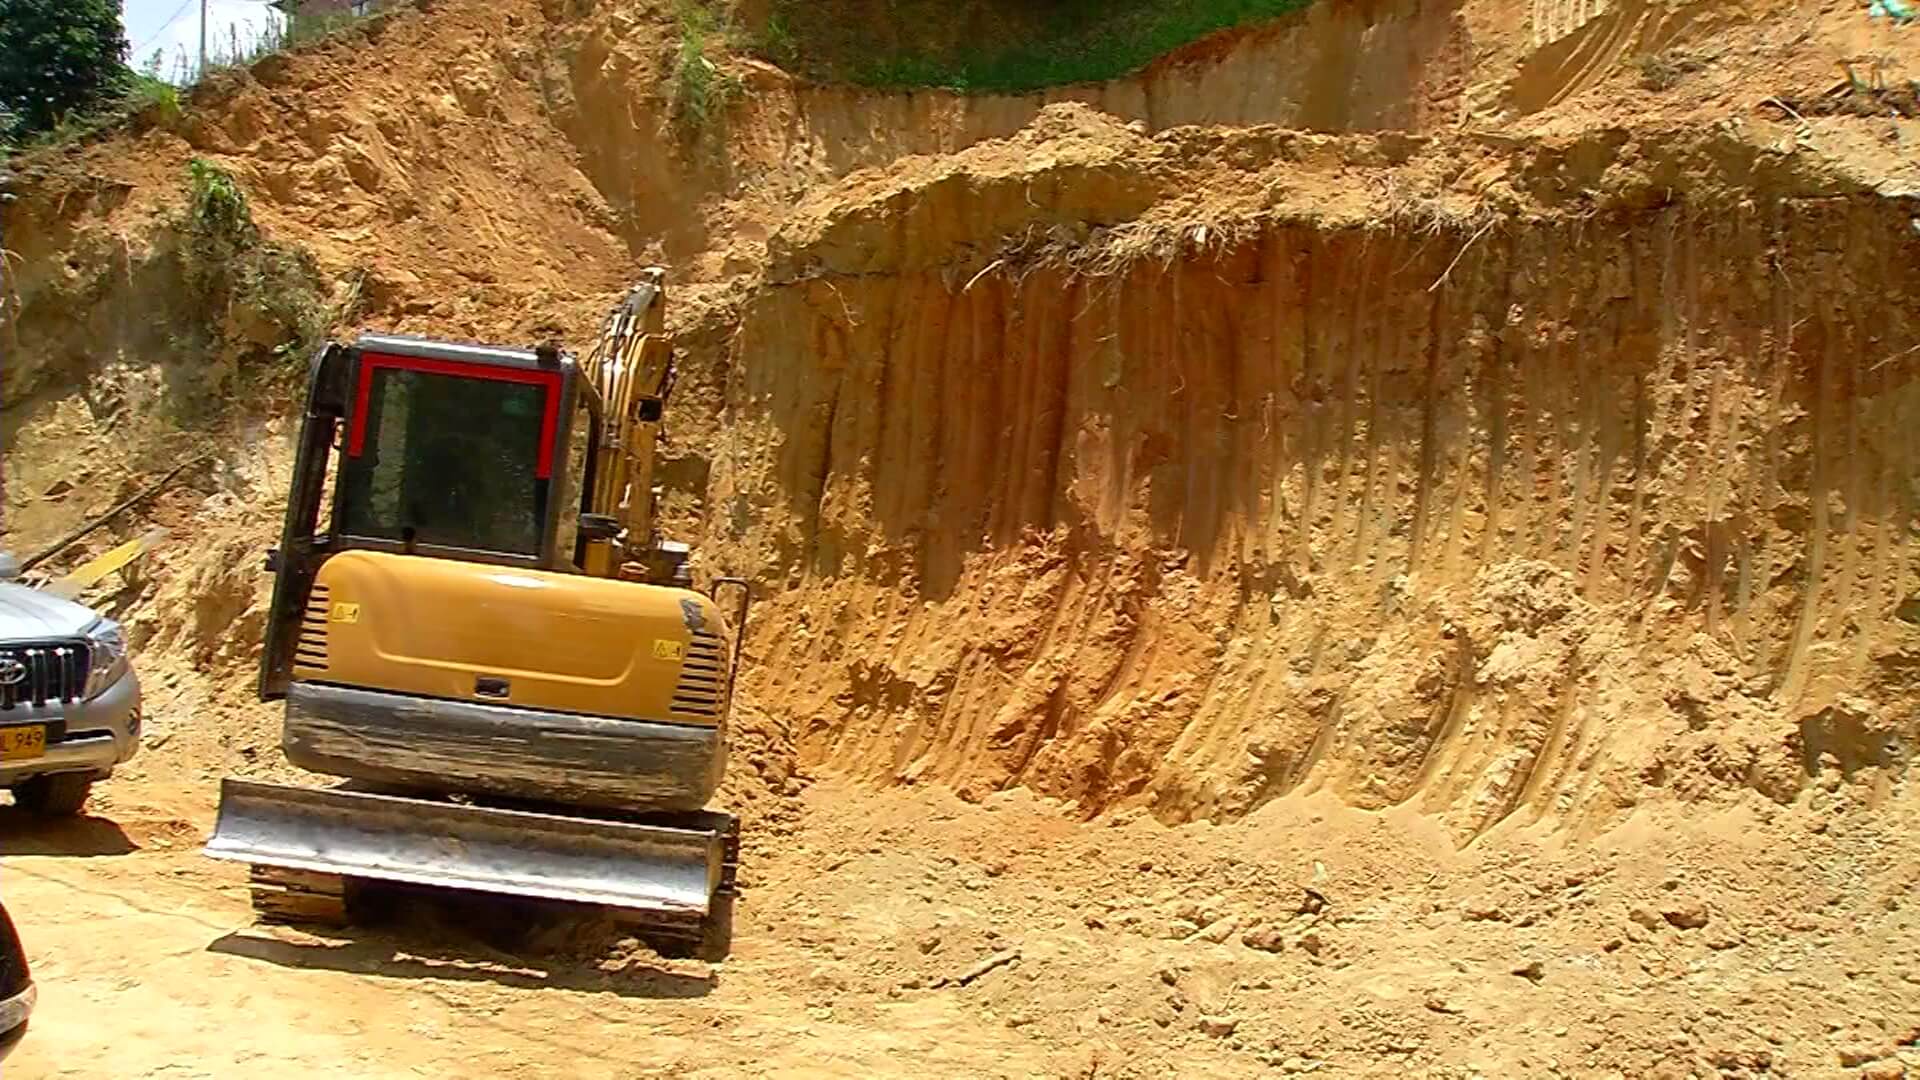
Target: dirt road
911	934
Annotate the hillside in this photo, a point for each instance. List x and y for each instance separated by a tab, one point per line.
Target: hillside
1462	452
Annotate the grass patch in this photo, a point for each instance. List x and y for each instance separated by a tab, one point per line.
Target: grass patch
155	99
701	89
243	46
1664	70
252	303
992	46
155	93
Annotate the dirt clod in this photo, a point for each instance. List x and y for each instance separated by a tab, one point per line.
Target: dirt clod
1265	937
1218	1026
1691	915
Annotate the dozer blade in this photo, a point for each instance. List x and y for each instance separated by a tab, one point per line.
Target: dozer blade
651	868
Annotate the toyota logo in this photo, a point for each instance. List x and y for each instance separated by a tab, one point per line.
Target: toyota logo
12	672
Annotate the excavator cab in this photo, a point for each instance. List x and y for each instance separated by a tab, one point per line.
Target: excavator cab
475	623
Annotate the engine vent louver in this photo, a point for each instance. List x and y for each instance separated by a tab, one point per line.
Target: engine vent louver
701	691
311	651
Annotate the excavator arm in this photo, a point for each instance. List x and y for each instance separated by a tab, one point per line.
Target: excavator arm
631	372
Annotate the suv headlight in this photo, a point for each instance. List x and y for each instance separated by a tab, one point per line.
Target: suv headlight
109	645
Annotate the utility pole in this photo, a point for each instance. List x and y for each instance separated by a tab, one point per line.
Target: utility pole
203	40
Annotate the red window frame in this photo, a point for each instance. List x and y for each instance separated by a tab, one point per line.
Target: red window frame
550	380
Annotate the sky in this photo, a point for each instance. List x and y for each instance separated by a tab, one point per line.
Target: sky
173	27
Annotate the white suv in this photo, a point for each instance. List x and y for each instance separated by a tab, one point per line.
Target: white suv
69	701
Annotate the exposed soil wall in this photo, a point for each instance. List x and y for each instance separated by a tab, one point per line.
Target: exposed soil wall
1521	513
1106	442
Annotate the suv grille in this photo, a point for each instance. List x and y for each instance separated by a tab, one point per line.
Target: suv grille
703	677
43	672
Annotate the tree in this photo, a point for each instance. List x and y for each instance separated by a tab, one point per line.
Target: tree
58	56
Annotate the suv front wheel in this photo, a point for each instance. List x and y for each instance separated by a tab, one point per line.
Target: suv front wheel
58	795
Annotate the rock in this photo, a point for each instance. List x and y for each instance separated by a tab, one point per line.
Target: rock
1645	917
1311	942
1863	1050
1220	929
1884	1070
1485	911
1743	1060
1533	972
1218	1026
1200	912
1180	929
1264	938
928	942
1687	915
821	978
1438	1004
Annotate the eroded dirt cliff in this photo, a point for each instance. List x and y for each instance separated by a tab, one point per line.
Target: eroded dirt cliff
1322	408
1451	463
1197	470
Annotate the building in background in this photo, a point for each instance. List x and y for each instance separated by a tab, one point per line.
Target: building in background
296	10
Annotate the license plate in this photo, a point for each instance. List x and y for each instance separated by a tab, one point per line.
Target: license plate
21	743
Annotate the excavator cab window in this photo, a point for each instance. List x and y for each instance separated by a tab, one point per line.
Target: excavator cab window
450	456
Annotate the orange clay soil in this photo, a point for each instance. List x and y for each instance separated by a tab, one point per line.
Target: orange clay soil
1381	544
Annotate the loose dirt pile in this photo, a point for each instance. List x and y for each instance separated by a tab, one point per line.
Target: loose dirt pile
1431	487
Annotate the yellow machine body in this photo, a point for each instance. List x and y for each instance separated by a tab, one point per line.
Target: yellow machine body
490	640
462	631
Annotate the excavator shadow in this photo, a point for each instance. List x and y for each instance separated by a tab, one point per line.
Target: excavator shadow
526	944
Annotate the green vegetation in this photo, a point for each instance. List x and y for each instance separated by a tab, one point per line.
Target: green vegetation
701	90
154	98
1039	45
253	300
58	59
146	94
244	46
217	210
1664	70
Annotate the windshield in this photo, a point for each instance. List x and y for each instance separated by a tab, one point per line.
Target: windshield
448	460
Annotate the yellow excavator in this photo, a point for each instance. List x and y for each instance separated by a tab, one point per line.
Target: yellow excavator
477	626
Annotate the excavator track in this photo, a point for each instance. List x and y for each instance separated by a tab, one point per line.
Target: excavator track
281	895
